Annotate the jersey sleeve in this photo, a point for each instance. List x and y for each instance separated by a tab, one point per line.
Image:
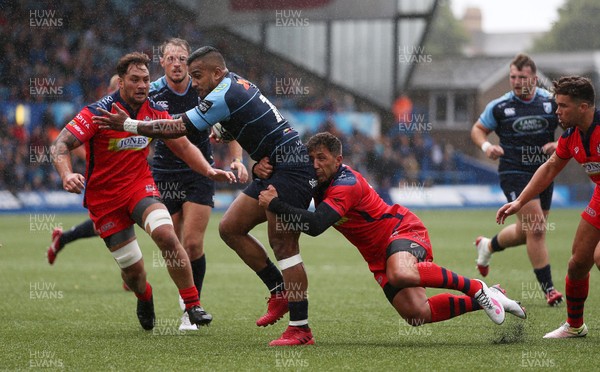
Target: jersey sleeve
562	149
81	126
342	198
487	116
212	109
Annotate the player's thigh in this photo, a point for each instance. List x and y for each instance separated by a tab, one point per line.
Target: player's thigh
242	216
584	244
283	235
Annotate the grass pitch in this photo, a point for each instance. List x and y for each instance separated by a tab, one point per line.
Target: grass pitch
75	315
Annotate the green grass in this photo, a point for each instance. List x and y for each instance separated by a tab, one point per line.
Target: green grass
90	323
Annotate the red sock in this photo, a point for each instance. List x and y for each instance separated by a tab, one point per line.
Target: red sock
147	295
445	306
576	292
190	297
434	276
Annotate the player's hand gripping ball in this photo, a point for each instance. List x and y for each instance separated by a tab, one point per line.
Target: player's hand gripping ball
220	134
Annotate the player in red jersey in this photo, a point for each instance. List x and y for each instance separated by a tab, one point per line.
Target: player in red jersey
581	140
392	240
120	191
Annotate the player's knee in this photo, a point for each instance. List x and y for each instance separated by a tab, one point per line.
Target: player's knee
226	229
127	256
165	238
578	268
398	278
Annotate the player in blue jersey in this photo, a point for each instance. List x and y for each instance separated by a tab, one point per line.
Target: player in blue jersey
188	195
524	119
261	130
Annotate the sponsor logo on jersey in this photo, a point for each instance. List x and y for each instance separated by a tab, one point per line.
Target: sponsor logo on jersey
150	188
598	149
576	149
82	120
509	111
220	87
204	105
530	124
590	211
107	226
244	82
74	125
105	101
163	104
591	168
547	107
128	143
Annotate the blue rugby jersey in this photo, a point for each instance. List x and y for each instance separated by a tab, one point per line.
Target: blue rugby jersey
164	160
246	114
523	128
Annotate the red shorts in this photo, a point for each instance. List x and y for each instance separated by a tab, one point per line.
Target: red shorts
110	220
591	213
411	229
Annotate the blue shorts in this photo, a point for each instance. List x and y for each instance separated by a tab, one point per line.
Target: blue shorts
183	186
513	185
294	180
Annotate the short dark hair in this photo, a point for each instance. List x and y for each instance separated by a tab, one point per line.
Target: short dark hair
523	60
326	139
135	58
577	87
177	42
207	51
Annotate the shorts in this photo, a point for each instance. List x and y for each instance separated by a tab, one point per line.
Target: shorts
294	182
183	186
513	184
591	213
118	218
417	240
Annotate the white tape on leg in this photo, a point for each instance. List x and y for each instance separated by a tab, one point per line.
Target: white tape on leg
156	218
286	263
128	254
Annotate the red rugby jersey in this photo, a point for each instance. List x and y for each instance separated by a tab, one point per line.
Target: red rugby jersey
367	221
584	147
115	160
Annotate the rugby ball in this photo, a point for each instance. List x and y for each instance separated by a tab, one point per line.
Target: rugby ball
221	134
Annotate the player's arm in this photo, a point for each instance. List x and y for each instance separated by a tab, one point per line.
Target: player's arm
479	136
193	157
61	157
159	128
541	179
318	221
236	152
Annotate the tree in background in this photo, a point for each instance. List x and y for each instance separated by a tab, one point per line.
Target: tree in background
447	35
578	22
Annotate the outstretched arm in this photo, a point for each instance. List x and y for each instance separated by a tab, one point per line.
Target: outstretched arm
159	128
193	157
318	221
61	157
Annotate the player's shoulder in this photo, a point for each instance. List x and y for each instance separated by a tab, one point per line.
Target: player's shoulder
568	133
501	101
104	103
543	93
345	176
158	85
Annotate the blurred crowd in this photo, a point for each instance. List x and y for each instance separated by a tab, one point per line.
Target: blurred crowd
73	47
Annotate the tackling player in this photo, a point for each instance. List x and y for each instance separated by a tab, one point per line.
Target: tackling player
525	122
577	113
120	191
262	131
392	240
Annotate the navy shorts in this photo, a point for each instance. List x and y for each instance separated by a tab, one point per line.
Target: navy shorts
183	186
293	176
514	183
